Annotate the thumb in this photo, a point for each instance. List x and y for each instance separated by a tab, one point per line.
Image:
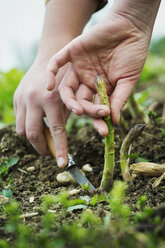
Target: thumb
120	95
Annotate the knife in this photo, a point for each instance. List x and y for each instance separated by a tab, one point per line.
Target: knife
71	167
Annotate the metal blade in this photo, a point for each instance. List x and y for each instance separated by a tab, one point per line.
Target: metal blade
77	174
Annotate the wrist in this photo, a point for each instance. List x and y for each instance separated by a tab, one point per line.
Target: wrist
48	47
141	13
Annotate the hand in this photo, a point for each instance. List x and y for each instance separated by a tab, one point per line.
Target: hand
32	102
114	48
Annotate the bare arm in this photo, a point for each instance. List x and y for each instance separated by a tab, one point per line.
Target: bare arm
142	12
64	20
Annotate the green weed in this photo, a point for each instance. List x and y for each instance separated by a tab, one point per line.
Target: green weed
89	230
8	83
5	164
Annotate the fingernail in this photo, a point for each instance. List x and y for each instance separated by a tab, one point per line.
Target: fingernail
74	110
61	162
102	132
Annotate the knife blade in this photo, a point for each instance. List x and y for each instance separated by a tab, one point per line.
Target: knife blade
75	172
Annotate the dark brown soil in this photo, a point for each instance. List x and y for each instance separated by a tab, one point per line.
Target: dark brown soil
86	146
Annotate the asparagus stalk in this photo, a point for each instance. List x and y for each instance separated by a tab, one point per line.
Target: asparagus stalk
134	108
126	150
109	153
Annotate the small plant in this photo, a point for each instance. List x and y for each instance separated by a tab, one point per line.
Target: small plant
162	133
8	84
118	209
134	109
145	211
5	164
109	154
126	150
116	229
142	202
154	119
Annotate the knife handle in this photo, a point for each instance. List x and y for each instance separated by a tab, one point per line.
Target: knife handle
49	141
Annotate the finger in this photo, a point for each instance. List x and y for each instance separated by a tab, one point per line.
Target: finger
68	86
20	120
34	129
55	63
84	95
56	123
15	107
101	126
94	110
120	96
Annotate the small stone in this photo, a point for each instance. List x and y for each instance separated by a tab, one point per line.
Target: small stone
52	211
87	167
27	215
31	199
3	200
73	192
65	178
31	169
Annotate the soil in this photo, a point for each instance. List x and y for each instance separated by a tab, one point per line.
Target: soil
86	146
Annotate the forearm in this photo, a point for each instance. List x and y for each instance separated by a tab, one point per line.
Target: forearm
141	12
64	20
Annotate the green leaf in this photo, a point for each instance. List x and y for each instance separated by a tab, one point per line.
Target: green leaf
94	200
6	163
76	202
11	162
76	207
85	198
139	160
8	84
101	198
7	193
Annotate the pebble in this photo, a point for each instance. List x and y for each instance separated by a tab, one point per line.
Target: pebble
31	199
87	167
28	215
3	200
65	178
73	192
31	169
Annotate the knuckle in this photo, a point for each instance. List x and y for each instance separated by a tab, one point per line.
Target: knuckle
57	130
31	94
32	135
53	96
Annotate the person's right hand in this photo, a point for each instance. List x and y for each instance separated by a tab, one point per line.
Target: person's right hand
32	102
116	48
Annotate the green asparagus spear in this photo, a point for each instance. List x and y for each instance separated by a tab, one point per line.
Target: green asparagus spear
126	150
109	154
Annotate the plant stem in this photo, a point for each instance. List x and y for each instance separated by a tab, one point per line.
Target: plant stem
109	154
134	108
126	150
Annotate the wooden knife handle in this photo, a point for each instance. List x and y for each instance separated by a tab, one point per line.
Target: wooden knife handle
49	141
